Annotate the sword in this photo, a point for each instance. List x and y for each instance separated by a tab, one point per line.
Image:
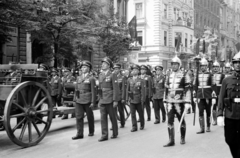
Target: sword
183	115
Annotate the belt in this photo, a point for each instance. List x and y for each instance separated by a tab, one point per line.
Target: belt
204	86
236	100
219	85
177	89
106	89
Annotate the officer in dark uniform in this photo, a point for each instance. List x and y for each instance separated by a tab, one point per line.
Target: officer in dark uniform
108	91
122	93
55	88
67	78
229	106
85	98
148	90
217	84
136	97
158	91
204	95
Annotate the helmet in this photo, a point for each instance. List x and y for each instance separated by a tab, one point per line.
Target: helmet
117	65
236	57
216	64
176	60
108	61
203	62
158	67
144	67
43	67
227	65
86	63
136	67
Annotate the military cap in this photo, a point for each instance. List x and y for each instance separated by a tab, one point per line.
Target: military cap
136	67
144	67
108	61
158	67
86	63
236	57
117	65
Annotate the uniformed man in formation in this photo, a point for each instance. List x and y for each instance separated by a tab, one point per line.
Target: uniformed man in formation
158	93
229	108
85	98
122	92
108	92
136	97
178	98
203	95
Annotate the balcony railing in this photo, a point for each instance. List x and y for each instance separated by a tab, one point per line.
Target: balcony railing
183	23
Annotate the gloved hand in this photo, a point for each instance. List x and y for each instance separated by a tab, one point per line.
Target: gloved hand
214	94
91	105
195	100
115	104
220	121
214	101
187	106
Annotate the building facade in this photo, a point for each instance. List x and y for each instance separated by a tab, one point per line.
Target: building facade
160	26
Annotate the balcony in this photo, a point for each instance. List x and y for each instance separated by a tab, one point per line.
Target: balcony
185	23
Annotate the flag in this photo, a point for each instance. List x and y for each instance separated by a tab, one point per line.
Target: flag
132	25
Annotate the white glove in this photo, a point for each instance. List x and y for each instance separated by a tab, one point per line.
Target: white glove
214	94
213	101
187	106
195	100
220	121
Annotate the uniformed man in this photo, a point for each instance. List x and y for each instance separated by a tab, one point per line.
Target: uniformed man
85	99
178	99
108	91
217	84
204	94
55	88
229	106
148	90
227	69
158	91
67	78
136	97
122	93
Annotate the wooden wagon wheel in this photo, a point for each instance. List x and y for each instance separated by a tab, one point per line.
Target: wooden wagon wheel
126	109
28	106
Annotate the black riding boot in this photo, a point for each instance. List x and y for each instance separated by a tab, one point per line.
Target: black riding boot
208	124
202	125
183	133
171	137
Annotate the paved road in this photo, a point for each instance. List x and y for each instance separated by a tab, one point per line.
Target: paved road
142	144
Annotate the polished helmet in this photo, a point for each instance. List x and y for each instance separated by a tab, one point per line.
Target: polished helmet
227	65
108	61
117	65
176	60
86	63
216	64
203	62
236	57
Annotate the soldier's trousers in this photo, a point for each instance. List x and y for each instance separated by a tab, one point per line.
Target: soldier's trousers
139	109
205	104
121	112
158	105
55	101
148	108
80	109
232	136
105	110
175	109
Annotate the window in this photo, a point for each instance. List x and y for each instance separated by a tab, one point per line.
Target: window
139	37
191	39
165	38
138	10
186	40
165	11
178	37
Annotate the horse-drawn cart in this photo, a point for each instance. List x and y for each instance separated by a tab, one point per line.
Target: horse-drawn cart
25	103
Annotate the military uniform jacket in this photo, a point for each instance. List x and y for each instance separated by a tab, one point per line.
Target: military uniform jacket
65	81
203	85
55	86
108	88
135	90
178	88
85	91
148	83
231	90
217	82
158	86
122	84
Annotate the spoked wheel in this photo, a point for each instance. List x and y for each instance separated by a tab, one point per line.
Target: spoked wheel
126	110
28	107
